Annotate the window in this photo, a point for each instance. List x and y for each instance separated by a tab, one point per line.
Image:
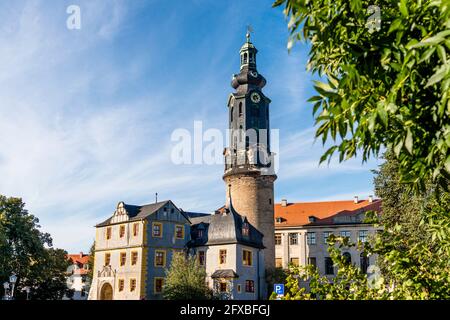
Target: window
223	287
83	292
132	285
123	258
201	258
277	239
279	263
107	259
121	284
135	229
158	285
326	234
295	261
200	233
293	238
108	233
121	231
312	261
231	114
364	262
245	230
311	238
249	286
239	288
362	235
222	256
246	258
329	269
240	109
347	258
345	234
157	230
179	232
160	258
134	258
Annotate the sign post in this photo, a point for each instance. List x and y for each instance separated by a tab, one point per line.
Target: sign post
279	290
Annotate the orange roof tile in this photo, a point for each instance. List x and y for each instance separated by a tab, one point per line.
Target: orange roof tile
297	214
79	258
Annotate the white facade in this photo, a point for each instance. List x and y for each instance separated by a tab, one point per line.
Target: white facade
250	283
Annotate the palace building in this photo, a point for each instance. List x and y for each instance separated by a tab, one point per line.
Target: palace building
302	229
134	247
240	242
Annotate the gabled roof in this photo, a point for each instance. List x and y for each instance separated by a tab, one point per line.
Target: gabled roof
323	213
140	212
222	228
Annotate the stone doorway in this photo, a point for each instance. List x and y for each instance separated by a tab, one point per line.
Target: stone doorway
106	293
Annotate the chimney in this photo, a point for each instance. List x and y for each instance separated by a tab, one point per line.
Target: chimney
81	254
284	203
370	199
356	200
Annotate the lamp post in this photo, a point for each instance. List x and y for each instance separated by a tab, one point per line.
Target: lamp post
6	287
27	289
12	280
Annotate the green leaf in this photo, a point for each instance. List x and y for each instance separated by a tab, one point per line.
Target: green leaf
403	8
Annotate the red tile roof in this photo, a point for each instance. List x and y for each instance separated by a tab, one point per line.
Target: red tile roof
297	214
80	259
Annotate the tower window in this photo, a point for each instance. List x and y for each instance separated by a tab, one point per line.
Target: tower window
245	57
231	116
240	109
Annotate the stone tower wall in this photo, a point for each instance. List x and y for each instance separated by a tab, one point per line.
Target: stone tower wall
253	196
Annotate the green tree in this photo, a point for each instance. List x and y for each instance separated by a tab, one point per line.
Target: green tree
91	262
384	89
185	280
26	251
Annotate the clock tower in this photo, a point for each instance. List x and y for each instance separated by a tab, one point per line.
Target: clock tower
249	163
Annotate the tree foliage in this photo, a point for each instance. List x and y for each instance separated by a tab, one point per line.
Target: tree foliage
27	252
185	279
384	89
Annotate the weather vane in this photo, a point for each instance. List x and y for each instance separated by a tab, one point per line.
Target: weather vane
249	30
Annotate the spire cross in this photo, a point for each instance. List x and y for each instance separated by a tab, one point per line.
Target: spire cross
249	30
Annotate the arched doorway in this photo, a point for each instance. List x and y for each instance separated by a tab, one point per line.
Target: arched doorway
106	293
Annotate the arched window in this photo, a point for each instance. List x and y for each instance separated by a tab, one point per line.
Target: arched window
245	57
347	257
240	109
364	262
231	116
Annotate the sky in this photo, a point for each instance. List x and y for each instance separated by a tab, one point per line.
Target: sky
87	115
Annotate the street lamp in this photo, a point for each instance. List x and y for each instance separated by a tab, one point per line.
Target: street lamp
6	287
27	290
12	280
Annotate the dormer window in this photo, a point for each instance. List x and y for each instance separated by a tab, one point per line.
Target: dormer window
279	219
245	230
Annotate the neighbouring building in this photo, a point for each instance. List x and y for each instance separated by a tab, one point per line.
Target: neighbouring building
134	247
77	276
302	229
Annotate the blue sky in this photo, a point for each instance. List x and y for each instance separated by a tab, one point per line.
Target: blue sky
86	116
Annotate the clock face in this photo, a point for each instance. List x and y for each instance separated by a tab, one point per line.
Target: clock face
255	97
254	73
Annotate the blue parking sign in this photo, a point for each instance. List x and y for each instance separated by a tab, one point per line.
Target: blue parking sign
279	289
